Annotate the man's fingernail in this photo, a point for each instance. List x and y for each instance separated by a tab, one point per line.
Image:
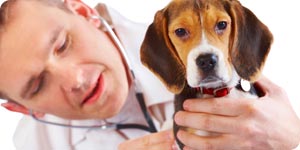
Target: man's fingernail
186	105
177	119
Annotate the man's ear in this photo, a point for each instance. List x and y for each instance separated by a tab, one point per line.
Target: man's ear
11	106
80	8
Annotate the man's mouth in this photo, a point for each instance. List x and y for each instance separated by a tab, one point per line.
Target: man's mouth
94	93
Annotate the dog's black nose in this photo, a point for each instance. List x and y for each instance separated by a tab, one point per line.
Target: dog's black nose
207	62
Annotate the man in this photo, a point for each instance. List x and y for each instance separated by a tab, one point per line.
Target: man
73	70
67	67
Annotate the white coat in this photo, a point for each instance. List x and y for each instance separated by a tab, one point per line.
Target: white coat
32	135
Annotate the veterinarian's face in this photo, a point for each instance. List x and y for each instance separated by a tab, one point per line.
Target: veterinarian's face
56	62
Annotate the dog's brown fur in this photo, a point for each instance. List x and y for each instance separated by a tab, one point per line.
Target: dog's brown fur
244	44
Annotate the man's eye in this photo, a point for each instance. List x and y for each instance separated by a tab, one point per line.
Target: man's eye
64	46
37	87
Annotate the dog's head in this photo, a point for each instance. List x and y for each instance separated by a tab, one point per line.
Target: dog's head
205	43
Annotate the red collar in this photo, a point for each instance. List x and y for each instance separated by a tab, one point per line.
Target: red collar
219	92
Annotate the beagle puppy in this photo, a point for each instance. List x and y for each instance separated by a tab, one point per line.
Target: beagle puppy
201	48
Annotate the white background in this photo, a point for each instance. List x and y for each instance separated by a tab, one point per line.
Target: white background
282	17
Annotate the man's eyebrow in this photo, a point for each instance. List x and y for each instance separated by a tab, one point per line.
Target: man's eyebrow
53	38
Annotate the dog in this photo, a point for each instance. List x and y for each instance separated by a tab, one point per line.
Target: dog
206	48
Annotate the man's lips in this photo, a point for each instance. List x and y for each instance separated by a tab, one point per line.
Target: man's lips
94	93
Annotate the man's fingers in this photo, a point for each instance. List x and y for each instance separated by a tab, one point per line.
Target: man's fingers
218	106
159	146
192	141
202	121
164	138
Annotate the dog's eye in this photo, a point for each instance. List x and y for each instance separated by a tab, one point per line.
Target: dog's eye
222	25
181	32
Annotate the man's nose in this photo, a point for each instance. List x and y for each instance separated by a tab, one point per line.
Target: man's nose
73	79
70	77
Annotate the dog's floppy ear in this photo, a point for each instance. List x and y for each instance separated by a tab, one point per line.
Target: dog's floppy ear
251	41
159	55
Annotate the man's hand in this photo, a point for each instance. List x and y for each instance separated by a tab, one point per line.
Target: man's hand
163	140
265	123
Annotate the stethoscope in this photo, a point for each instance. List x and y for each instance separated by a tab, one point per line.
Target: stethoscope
138	93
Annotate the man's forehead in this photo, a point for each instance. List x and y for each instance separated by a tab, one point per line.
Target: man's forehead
22	7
